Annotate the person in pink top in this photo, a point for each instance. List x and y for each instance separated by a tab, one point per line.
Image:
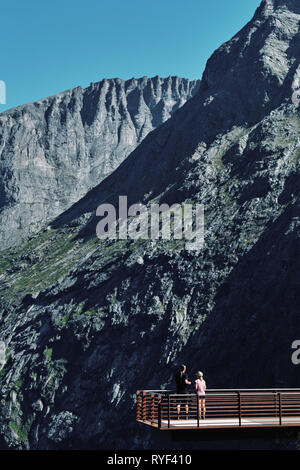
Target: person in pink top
200	386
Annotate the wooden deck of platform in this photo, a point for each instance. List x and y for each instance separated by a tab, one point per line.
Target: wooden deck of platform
257	408
228	423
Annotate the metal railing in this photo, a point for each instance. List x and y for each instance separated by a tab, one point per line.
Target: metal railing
223	408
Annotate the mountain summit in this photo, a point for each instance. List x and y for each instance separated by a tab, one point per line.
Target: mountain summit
257	69
268	6
54	150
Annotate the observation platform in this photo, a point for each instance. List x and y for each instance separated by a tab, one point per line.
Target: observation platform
245	408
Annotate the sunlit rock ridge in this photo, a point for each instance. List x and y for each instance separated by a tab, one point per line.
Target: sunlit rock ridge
54	150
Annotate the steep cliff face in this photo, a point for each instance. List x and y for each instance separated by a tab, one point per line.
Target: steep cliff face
54	150
102	319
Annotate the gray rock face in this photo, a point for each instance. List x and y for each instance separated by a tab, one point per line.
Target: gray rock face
61	426
102	319
54	150
2	354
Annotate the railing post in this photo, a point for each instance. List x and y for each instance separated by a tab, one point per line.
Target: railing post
280	409
138	406
168	411
159	412
152	409
275	398
144	410
198	412
239	406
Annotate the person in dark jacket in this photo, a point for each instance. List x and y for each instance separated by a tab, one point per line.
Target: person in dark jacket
181	388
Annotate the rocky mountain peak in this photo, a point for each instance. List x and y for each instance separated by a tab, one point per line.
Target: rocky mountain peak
268	7
257	69
54	150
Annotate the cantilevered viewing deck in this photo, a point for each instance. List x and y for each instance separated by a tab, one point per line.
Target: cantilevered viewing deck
245	408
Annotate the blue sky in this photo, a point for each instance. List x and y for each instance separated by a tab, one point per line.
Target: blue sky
50	47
